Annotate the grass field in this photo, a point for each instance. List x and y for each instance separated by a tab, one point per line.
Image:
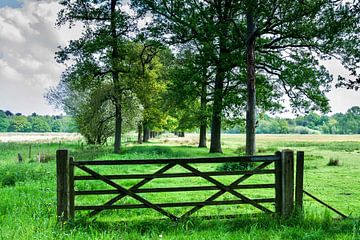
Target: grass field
28	193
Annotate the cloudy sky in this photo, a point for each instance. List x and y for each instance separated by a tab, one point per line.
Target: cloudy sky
28	40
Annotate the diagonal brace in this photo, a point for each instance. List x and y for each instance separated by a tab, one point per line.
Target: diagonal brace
127	192
223	191
135	187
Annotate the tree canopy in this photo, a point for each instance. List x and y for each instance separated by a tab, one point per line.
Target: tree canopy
194	64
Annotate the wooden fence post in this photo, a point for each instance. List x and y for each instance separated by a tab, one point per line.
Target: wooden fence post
278	184
62	163
287	178
299	180
71	193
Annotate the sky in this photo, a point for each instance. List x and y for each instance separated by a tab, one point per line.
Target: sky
28	41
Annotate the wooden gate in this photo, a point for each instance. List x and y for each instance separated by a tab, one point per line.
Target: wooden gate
283	171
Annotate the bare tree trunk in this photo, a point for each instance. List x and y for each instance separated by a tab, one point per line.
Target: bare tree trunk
215	145
251	86
202	136
146	134
118	125
203	117
116	81
140	130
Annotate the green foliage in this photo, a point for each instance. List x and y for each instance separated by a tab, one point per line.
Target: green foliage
20	124
39	124
4	123
11	174
36	123
236	166
312	123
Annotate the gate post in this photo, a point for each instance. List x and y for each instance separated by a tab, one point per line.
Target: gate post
62	183
287	180
299	180
278	184
71	194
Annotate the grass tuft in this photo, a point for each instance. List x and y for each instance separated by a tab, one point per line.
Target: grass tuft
334	162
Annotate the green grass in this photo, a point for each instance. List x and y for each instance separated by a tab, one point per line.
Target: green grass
28	193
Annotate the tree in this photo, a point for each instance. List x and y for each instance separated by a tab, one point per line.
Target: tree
100	49
188	93
20	124
4	122
39	124
207	26
282	33
149	85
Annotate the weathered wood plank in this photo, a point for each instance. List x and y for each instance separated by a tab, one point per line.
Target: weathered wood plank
71	190
178	204
287	163
62	157
127	192
278	185
221	192
265	158
174	189
178	175
136	186
225	188
299	180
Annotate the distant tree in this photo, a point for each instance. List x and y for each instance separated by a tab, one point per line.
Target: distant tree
39	124
68	124
20	124
188	93
56	126
8	113
4	122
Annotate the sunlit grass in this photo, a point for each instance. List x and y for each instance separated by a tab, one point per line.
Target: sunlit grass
28	193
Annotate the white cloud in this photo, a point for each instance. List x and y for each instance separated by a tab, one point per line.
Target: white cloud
28	42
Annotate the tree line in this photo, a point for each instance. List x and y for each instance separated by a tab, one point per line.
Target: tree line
178	65
312	123
10	122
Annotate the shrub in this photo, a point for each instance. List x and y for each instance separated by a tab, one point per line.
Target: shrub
8	180
334	162
268	149
236	166
240	150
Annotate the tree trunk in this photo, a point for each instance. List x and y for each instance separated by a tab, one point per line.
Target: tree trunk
146	134
115	76
215	145
140	130
251	86
118	125
203	117
202	136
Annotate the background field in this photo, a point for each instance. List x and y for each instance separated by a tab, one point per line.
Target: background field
28	194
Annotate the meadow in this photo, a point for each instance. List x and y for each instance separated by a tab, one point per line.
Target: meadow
28	192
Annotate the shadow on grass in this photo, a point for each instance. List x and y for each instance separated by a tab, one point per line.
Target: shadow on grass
294	228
